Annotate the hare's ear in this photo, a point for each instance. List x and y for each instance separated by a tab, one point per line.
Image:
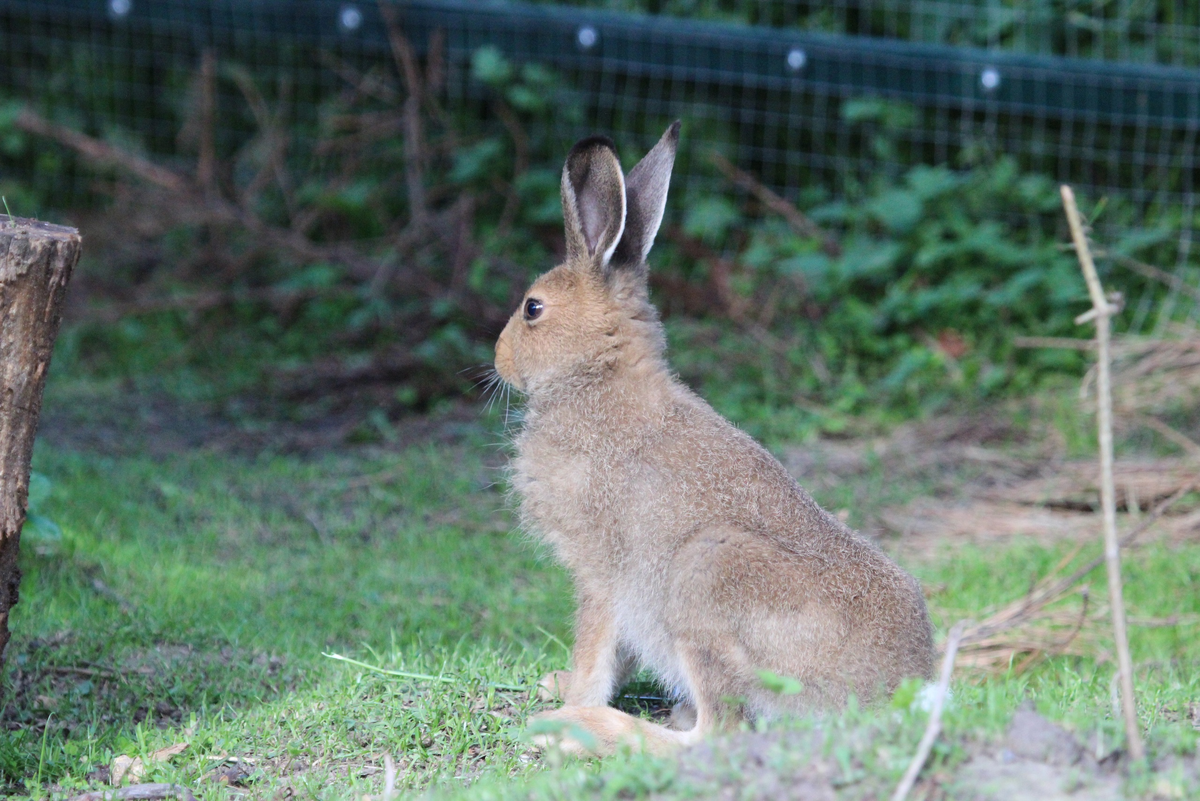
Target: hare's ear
646	193
593	198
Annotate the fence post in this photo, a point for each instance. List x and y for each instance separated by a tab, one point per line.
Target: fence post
36	260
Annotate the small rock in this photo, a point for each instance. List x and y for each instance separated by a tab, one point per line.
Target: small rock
1032	737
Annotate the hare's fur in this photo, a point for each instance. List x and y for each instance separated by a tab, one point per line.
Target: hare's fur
694	552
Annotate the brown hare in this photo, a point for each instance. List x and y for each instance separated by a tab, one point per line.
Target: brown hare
694	553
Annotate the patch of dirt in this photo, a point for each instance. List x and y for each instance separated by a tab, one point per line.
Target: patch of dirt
991	483
755	765
1036	760
1039	761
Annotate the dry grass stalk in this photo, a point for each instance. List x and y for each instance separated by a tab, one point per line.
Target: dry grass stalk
1102	312
1051	633
1054	587
935	714
1157	375
1139	483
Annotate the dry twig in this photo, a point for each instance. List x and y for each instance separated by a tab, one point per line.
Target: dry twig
798	220
935	714
1150	271
1102	312
1054	342
140	792
101	152
414	150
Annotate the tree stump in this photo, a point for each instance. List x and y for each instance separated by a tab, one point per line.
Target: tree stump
36	260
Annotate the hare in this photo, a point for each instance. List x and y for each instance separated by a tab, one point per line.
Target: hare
694	553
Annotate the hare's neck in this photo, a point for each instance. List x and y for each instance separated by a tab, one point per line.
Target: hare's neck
627	405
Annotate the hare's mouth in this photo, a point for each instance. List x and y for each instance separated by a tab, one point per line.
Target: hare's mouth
506	366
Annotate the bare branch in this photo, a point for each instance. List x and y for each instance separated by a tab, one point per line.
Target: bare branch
1102	312
1054	342
414	150
140	792
101	152
798	220
206	164
934	727
1157	274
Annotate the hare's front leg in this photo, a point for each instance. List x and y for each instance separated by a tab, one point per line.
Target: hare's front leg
599	663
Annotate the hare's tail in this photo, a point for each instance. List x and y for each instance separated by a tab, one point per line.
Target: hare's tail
595	730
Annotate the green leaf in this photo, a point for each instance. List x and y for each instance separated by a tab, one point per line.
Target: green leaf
780	685
711	218
931	182
489	66
1140	239
41	532
526	99
538	189
476	161
865	258
9	111
39	490
811	266
562	728
906	693
898	210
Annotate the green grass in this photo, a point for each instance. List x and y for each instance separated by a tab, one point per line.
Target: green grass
192	596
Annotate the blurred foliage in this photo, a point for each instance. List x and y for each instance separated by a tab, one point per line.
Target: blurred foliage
936	268
40	533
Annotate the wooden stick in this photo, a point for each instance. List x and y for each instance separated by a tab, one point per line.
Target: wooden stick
1178	437
100	152
1054	342
799	221
935	715
1103	312
140	792
1157	274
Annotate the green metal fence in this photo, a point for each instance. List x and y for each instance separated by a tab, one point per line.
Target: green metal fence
812	97
1152	31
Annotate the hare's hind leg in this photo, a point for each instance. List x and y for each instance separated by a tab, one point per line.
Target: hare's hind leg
601	731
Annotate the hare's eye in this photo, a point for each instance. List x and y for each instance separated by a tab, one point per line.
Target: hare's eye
533	309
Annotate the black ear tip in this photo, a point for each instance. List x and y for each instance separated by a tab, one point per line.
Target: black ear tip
591	143
673	130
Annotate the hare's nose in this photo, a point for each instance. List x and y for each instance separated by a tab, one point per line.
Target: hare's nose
505	364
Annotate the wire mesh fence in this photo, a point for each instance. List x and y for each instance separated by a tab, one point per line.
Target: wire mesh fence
791	103
818	101
1158	32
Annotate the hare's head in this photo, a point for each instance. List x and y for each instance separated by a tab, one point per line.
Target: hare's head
592	312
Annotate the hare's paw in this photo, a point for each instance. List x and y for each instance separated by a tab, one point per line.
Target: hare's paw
554	686
565	730
683	717
603	731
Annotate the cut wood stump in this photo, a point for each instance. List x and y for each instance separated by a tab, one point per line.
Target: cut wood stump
36	260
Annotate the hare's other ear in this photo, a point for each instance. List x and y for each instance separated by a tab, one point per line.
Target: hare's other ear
646	194
593	197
